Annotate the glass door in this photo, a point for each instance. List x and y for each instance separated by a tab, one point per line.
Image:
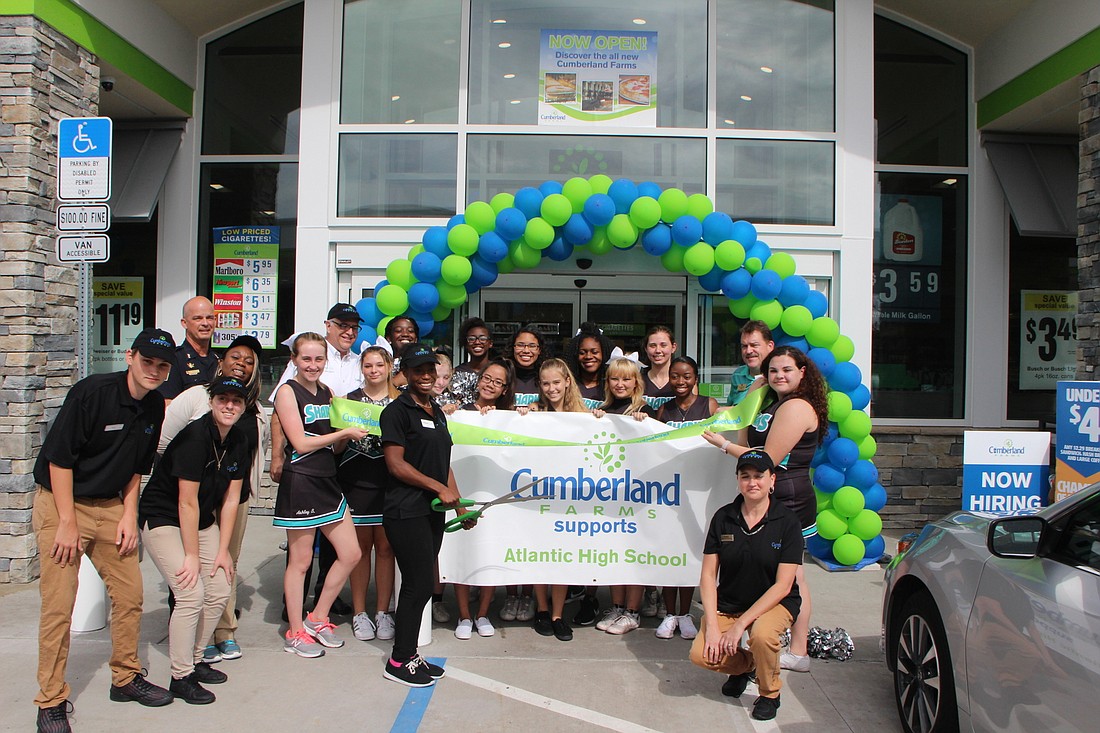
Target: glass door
553	312
625	316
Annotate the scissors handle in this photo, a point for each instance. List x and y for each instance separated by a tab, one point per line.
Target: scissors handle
439	506
456	523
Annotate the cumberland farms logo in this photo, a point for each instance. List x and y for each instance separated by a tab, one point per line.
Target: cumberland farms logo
600	455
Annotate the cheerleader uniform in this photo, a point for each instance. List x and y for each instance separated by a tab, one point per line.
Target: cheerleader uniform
362	472
526	386
593	396
792	477
656	396
675	417
309	495
620	405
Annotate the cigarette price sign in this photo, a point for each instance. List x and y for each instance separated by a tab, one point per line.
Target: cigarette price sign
246	283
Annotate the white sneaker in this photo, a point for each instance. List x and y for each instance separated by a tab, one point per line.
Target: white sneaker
793	662
667	629
465	629
687	627
525	609
362	627
610	616
649	604
440	614
508	610
383	622
624	624
484	626
662	610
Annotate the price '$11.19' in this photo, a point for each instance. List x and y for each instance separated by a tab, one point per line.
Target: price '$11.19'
1050	331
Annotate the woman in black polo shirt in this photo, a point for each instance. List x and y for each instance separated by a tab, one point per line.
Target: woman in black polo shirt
752	550
417	447
198	481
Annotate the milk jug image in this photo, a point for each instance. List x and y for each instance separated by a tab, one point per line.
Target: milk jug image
903	238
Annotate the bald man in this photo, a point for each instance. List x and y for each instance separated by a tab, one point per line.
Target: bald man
195	361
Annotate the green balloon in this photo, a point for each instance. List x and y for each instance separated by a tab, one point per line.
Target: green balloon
698	205
674	203
867	448
780	262
856	426
742	307
399	272
392	300
754	265
699	259
502	201
417	249
848	549
823	332
539	234
440	312
456	269
840	406
600	183
824	501
481	217
729	255
599	244
843	348
506	266
847	502
556	209
383	323
796	320
622	232
768	311
462	240
450	295
524	255
866	525
645	212
673	259
577	190
831	525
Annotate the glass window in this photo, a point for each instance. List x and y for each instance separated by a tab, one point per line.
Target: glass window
400	62
498	163
918	350
920	98
397	175
505	43
775	64
253	88
776	182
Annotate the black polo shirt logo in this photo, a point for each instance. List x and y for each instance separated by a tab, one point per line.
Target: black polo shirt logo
777	545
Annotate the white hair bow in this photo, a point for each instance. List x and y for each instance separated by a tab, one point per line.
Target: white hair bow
578	333
617	353
289	341
382	343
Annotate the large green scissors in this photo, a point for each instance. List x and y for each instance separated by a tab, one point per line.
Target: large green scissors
512	497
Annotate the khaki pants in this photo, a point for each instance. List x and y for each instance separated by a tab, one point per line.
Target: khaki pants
762	654
97	521
227	624
199	607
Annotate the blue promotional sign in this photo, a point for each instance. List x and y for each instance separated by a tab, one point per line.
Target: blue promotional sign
84	159
1077	446
1005	472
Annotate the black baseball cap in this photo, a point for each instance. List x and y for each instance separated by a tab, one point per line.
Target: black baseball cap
247	340
416	354
757	459
227	385
344	312
155	343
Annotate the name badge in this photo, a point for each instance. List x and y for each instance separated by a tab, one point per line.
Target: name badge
726	538
423	421
113	428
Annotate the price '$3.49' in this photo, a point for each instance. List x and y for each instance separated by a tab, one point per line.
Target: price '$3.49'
1050	331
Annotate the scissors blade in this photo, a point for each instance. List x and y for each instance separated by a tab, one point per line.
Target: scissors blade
513	496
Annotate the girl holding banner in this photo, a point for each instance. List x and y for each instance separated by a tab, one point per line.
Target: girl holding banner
526	351
586	354
659	346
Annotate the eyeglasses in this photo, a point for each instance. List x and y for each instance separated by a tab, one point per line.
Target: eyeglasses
478	339
526	347
342	326
486	379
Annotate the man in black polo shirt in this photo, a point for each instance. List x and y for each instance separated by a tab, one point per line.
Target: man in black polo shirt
753	548
194	361
101	442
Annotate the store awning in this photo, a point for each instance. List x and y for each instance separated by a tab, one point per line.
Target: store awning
140	163
1039	178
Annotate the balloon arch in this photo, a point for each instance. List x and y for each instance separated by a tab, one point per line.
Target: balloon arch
515	232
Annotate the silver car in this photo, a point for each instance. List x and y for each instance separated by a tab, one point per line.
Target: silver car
994	624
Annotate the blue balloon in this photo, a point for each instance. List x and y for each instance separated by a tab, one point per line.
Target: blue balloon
736	284
874	498
424	322
717	228
483	272
845	377
712	281
875	548
577	230
817	303
821	456
759	250
361	342
623	192
426	267
687	230
743	232
828	478
862	474
657	240
471	286
368	311
820	547
381	284
842	453
549	187
651	189
599	209
860	396
435	241
832	432
455	221
559	250
529	201
511	223
766	284
423	297
794	341
491	247
794	291
823	359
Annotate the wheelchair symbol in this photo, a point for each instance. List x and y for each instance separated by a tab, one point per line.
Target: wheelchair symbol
82	143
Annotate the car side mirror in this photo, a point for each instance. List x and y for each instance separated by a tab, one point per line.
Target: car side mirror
1015	537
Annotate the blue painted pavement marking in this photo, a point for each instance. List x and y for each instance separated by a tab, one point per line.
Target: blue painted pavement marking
416	704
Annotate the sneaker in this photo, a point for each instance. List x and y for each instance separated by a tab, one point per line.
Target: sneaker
211	654
764	708
649	603
207	675
794	663
465	629
383	622
687	627
55	719
141	691
662	609
484	626
440	614
735	685
303	645
624	624
562	630
228	649
362	627
525	609
610	616
587	613
434	670
411	673
322	631
667	629
508	610
190	691
543	626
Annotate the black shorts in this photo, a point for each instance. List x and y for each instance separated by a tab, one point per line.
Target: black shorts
797	494
365	503
306	502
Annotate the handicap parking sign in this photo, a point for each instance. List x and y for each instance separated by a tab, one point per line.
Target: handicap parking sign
84	159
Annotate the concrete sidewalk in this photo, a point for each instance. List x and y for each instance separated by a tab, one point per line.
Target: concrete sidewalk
516	680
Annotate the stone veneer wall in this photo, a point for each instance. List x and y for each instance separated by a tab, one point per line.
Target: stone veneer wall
43	77
921	469
1088	227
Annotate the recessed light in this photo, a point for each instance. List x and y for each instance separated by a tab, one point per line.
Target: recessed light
950	181
409	122
509	76
499	21
268	213
217	186
515	101
504	45
639	21
395	97
767	69
729	122
746	97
